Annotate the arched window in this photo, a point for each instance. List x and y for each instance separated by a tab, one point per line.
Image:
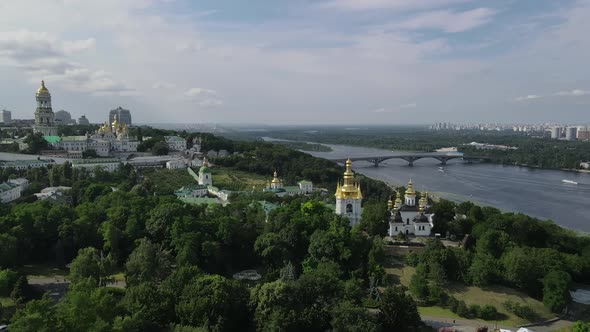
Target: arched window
349	208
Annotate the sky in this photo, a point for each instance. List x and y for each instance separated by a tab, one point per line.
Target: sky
300	61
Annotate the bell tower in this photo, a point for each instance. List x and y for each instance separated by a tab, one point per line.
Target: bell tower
44	116
349	197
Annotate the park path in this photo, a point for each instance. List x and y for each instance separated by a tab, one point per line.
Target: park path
470	325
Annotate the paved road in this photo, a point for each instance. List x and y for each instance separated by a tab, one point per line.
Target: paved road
469	325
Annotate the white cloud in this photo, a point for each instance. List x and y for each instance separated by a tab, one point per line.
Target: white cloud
448	21
527	97
211	102
573	93
163	85
411	105
189	46
44	56
354	5
194	92
396	109
76	46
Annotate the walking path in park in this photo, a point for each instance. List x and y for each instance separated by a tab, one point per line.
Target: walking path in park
470	325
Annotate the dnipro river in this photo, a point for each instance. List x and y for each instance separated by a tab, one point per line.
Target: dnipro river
536	192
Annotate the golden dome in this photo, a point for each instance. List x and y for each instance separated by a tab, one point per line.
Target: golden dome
42	89
390	204
275	178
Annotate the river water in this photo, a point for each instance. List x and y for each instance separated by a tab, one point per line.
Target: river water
536	192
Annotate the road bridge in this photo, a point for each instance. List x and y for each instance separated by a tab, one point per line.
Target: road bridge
412	157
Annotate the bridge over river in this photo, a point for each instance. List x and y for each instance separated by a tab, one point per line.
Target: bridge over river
412	157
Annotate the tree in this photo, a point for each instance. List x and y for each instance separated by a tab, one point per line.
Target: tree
148	262
91	263
348	317
8	250
153	307
20	291
556	295
214	302
86	307
578	327
36	143
36	316
483	270
160	149
398	312
375	219
7	280
419	284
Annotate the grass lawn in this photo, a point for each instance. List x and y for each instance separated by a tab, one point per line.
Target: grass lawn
438	312
495	295
43	270
166	181
229	179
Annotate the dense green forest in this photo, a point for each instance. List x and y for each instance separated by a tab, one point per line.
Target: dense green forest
318	273
531	150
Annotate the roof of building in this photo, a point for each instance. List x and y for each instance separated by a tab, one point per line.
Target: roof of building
305	182
74	138
200	200
95	161
23	162
189	189
174	138
5	187
52	139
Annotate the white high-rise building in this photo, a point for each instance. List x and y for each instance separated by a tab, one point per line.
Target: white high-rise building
44	117
349	197
5	117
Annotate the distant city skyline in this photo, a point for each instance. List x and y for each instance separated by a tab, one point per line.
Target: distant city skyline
300	62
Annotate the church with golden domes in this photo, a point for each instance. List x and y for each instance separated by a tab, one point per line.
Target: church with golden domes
44	116
276	186
408	216
349	197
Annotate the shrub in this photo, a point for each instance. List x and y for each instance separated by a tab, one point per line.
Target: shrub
488	312
474	311
7	280
522	311
412	259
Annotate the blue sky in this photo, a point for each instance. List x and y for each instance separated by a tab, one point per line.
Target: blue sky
300	61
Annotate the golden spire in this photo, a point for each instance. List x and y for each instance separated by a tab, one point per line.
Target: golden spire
398	201
338	193
410	191
390	203
205	162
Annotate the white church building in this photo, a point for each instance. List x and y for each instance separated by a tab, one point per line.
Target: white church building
409	216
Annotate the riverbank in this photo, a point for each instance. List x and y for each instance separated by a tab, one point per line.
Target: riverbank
536	192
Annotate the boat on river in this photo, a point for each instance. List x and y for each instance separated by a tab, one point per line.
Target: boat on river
569	181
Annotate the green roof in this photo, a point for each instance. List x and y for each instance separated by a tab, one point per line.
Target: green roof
200	200
204	169
305	182
5	186
52	139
